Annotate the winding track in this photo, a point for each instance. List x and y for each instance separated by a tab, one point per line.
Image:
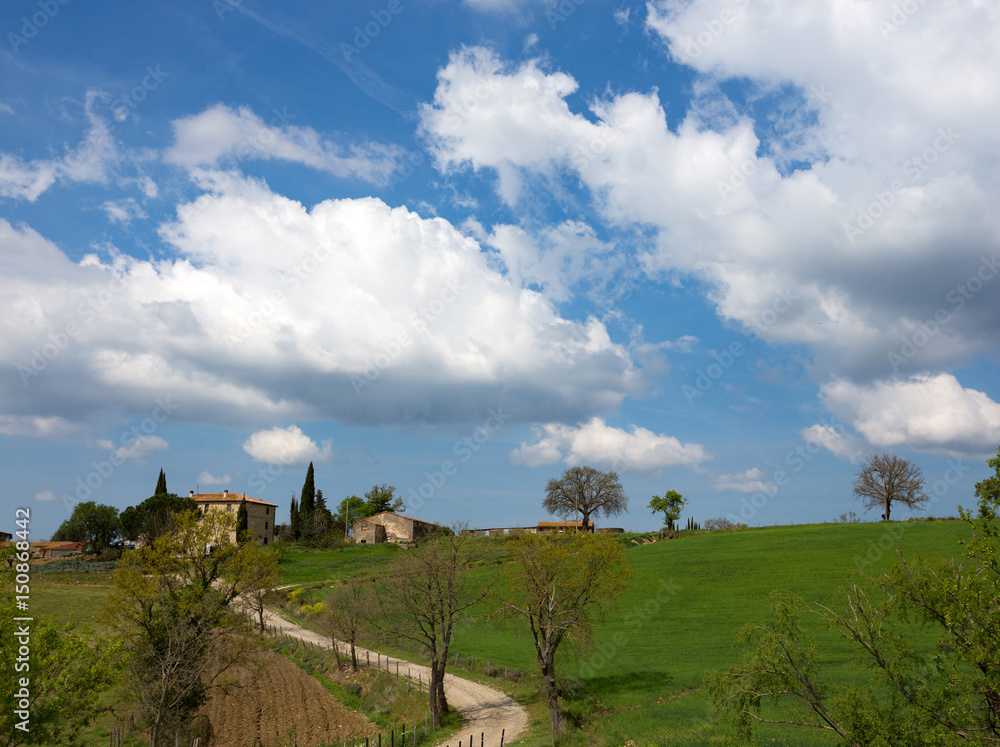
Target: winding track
485	710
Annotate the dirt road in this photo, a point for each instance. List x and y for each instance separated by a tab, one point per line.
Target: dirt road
486	710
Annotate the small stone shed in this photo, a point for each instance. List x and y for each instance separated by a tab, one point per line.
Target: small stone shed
390	527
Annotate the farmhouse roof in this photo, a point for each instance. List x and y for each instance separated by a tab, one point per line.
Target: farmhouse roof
392	513
227	497
546	524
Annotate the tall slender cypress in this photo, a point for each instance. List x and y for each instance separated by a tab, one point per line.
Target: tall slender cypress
161	484
242	522
293	520
307	501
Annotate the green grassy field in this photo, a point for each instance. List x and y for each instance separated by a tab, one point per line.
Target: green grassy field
640	680
307	565
677	623
70	596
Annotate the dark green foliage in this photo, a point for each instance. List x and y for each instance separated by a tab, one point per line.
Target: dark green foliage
670	505
307	500
350	510
380	498
294	522
154	517
161	484
242	522
92	523
692	524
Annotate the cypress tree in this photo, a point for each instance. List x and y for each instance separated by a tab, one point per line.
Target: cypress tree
307	501
161	484
293	521
242	522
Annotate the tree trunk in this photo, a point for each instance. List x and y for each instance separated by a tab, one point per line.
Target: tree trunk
354	657
432	694
442	701
585	519
888	505
549	676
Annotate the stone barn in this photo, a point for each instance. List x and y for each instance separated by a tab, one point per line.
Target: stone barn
390	527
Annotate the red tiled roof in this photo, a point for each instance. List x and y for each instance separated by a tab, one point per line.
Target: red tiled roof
230	498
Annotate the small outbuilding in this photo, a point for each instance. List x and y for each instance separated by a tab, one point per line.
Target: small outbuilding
389	527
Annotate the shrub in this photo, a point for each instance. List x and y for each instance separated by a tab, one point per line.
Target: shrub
723	524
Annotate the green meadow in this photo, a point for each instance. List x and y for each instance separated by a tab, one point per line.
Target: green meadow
640	679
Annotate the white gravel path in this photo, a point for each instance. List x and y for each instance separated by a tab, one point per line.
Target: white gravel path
486	711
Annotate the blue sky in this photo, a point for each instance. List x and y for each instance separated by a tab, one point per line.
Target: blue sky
727	247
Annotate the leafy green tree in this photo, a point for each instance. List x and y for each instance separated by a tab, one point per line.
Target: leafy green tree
161	484
171	607
380	498
70	670
670	505
586	491
350	510
560	585
155	516
94	524
950	695
242	522
307	500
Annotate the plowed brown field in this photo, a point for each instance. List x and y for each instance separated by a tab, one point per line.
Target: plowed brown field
275	699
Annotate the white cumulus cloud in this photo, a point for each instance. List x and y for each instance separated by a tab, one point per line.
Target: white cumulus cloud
286	446
836	441
596	443
369	314
756	204
933	414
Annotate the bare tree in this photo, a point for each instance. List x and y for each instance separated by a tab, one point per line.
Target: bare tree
424	592
587	491
885	479
346	615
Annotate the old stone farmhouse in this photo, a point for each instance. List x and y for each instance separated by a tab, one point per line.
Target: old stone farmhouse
389	527
260	514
